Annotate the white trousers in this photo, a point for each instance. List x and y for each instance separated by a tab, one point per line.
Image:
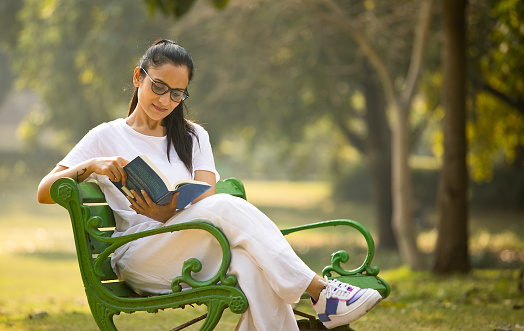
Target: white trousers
269	272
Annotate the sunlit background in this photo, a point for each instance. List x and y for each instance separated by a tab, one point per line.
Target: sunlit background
295	107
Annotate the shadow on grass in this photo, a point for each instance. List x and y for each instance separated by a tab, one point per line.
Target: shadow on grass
49	255
84	321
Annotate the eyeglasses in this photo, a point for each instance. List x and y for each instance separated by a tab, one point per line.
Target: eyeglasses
177	95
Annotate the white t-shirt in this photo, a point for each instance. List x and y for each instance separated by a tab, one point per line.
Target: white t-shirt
116	138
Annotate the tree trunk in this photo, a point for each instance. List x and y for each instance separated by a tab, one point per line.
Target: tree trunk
378	152
402	183
403	192
451	254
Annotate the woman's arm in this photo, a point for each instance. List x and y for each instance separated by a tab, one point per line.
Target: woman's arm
208	177
111	167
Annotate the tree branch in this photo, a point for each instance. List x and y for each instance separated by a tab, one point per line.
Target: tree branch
518	104
337	17
354	140
420	43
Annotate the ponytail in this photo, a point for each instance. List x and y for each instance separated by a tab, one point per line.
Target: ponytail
133	102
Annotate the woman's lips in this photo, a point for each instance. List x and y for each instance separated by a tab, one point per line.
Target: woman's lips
160	109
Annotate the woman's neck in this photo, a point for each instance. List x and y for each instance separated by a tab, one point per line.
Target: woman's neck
145	125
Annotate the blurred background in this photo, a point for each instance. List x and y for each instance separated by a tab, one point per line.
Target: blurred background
314	104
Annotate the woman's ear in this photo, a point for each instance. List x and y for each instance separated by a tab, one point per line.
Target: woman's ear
136	77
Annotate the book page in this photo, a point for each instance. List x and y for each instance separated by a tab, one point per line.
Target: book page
180	183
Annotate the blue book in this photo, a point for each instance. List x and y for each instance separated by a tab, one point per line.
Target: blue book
142	174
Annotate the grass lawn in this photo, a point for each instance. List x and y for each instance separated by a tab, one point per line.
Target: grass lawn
41	288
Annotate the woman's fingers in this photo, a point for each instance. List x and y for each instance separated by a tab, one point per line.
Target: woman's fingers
114	175
147	199
174	201
118	175
113	168
139	199
123	174
143	204
134	205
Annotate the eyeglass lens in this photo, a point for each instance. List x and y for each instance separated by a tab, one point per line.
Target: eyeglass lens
160	89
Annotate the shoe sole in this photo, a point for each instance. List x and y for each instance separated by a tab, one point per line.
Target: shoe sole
369	301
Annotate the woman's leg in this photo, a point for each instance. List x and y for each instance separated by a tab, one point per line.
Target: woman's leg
267	311
249	229
268	270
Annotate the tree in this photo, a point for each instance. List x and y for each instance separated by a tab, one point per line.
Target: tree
337	15
399	102
451	253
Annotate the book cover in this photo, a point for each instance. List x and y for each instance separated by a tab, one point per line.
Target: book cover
142	174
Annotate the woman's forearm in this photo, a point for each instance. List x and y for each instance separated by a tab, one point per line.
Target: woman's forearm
112	167
79	173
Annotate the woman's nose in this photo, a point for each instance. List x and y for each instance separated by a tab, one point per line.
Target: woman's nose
165	99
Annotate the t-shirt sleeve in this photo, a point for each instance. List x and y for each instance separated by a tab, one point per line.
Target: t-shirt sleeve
202	152
87	148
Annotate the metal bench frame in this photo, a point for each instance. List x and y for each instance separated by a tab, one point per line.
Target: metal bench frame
93	224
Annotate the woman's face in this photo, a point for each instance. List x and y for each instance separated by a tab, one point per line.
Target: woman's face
157	107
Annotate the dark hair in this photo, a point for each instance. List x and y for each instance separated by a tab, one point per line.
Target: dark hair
179	130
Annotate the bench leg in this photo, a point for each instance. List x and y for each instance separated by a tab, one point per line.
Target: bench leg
103	316
214	313
311	323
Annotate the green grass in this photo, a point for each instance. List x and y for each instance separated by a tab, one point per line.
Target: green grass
484	300
41	288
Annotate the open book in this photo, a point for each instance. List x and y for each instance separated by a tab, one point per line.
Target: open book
142	174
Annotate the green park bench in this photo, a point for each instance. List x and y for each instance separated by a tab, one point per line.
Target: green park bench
93	224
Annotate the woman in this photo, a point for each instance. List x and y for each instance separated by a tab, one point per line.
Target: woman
269	272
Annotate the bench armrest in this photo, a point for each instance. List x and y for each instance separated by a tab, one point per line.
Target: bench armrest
189	266
66	192
341	256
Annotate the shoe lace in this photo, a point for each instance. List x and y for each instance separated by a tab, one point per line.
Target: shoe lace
336	288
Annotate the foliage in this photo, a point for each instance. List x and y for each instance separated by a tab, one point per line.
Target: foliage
86	51
288	69
501	64
276	69
496	129
177	8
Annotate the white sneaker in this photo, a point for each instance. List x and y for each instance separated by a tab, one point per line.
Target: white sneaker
340	303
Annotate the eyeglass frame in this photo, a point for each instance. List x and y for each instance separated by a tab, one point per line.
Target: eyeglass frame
185	94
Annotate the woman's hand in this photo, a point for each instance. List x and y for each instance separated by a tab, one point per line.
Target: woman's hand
147	207
112	167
